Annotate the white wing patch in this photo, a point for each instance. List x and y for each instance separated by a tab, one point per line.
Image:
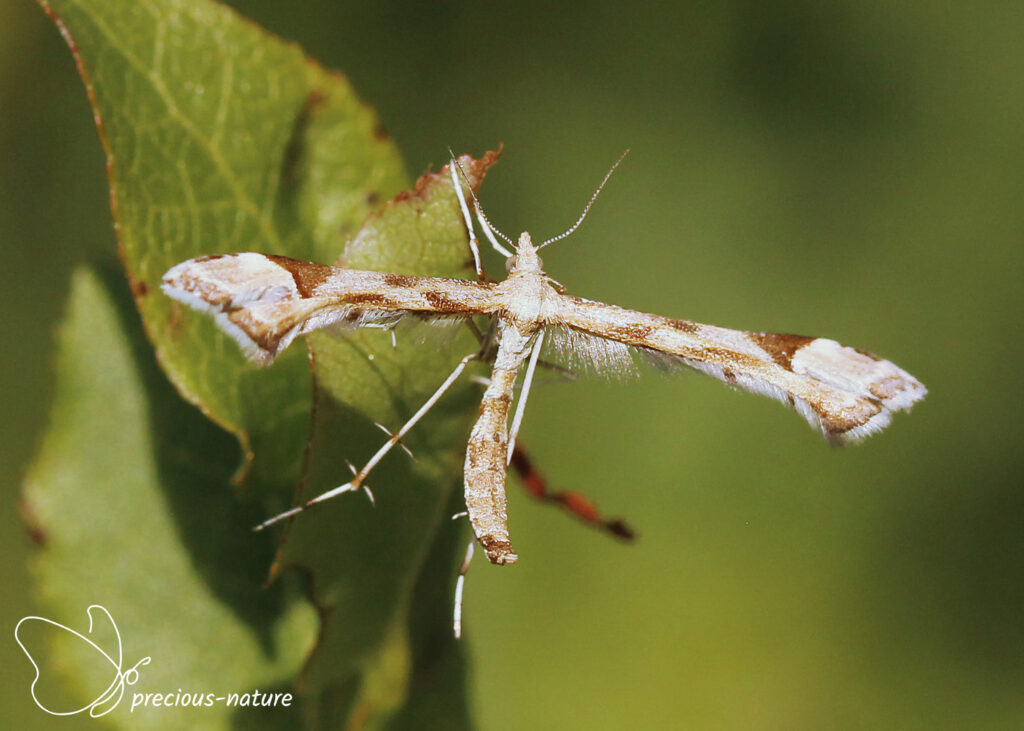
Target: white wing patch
252	299
844	393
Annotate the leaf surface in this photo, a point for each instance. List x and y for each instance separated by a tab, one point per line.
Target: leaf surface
221	138
127	497
363	379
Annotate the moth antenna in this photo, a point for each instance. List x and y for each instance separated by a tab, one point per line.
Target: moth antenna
586	209
474	244
489	230
485	222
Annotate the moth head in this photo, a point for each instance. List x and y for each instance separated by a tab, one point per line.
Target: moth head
525	258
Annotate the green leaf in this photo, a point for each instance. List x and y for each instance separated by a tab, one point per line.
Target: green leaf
366	591
127	494
221	138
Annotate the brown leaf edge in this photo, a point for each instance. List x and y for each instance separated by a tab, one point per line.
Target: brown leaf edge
139	288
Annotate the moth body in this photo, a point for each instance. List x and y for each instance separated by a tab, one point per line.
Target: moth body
265	301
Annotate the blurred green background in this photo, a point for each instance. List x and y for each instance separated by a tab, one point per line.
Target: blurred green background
845	169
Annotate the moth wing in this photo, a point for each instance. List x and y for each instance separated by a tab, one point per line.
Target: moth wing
584	353
264	302
845	393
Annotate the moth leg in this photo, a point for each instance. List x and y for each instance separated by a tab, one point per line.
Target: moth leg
480	215
563	373
485	224
360	476
517	419
459	584
574	502
480	337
